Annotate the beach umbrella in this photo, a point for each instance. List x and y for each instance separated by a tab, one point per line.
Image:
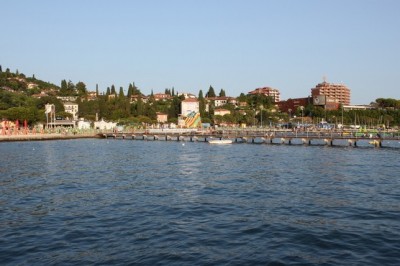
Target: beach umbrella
25	126
17	124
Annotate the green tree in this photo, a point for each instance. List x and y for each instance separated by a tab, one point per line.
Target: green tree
211	92
50	100
135	90
81	89
121	93
70	88
202	104
64	87
21	113
130	91
388	102
222	93
175	108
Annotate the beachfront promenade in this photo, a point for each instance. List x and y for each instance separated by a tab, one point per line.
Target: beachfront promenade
48	134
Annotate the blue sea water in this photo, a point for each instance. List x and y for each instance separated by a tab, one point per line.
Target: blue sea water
127	202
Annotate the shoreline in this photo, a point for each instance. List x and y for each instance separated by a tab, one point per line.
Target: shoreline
39	137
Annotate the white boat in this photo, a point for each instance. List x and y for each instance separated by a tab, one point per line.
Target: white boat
220	141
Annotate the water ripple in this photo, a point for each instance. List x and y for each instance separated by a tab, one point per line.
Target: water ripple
138	202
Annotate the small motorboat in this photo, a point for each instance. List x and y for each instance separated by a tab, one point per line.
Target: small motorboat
220	141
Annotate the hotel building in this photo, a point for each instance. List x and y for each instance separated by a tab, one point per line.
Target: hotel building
339	92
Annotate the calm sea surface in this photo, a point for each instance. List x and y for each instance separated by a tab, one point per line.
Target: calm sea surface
125	202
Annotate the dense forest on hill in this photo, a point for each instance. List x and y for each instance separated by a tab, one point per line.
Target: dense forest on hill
24	98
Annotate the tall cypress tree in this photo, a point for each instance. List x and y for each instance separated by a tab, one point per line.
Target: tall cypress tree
64	87
139	106
130	91
121	93
202	104
211	92
113	89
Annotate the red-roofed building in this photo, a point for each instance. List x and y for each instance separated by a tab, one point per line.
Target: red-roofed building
189	105
267	91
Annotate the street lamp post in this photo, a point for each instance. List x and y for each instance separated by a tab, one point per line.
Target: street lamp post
302	109
254	117
342	115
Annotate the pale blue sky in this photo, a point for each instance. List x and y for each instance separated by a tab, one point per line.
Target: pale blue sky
190	45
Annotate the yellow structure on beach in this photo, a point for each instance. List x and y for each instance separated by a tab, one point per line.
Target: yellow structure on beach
193	120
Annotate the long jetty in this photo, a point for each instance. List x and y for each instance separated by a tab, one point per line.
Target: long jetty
311	138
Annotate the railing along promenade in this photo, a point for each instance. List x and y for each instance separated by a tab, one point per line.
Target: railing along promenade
268	136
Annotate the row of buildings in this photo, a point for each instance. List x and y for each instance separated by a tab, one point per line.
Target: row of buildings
326	95
329	96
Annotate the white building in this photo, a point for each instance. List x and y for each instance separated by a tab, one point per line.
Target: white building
189	105
67	98
72	108
221	112
103	125
267	91
83	124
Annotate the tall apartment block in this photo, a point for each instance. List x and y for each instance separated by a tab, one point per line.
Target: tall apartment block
339	92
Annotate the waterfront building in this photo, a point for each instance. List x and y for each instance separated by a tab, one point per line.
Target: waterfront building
72	108
82	124
331	90
189	105
291	105
103	125
267	91
326	102
161	117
